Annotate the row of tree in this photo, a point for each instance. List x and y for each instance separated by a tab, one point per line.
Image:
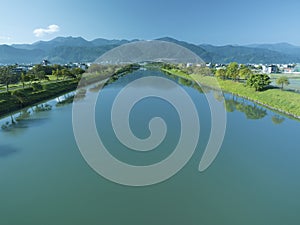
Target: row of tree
234	71
237	72
11	75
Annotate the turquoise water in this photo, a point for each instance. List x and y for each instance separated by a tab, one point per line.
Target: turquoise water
254	180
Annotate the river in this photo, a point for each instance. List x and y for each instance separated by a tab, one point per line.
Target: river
254	180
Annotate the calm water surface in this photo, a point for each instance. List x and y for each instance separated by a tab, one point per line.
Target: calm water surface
254	180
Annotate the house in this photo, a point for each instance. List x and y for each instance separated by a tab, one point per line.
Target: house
297	68
272	69
45	62
83	66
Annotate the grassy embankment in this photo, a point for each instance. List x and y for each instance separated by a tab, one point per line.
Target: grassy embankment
282	101
20	98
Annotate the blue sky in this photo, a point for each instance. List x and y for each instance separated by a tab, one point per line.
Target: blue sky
198	21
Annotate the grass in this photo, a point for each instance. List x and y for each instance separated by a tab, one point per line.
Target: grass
283	101
10	103
52	79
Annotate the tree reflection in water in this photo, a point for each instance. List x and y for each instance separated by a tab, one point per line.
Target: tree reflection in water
25	119
276	119
251	110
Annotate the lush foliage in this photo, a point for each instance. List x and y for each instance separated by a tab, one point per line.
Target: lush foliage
258	81
283	101
232	71
221	73
11	75
8	76
16	99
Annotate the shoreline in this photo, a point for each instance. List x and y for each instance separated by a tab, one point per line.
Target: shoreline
208	82
9	105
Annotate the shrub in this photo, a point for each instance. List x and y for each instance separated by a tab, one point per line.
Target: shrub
37	86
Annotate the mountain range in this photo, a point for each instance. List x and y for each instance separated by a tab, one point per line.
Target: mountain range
76	49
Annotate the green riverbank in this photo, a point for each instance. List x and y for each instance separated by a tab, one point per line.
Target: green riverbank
21	98
282	101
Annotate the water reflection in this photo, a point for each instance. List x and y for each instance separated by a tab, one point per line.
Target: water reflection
24	114
232	103
68	99
7	150
276	119
251	110
96	88
185	82
42	108
80	94
25	118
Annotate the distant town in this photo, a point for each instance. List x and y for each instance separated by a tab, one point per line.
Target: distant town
263	68
27	67
257	68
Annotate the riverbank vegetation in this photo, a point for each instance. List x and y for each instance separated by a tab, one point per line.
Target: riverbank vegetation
20	98
242	82
110	73
11	77
24	88
19	89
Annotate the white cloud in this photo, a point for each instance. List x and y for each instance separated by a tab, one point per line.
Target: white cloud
49	30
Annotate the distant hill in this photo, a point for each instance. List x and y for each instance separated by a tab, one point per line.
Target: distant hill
198	50
57	42
101	42
77	49
242	54
142	51
64	50
11	55
284	48
66	54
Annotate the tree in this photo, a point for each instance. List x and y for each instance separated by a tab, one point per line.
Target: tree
24	78
77	72
65	73
39	72
56	73
41	75
221	73
232	70
8	76
245	73
283	80
30	76
20	96
37	86
202	70
258	81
